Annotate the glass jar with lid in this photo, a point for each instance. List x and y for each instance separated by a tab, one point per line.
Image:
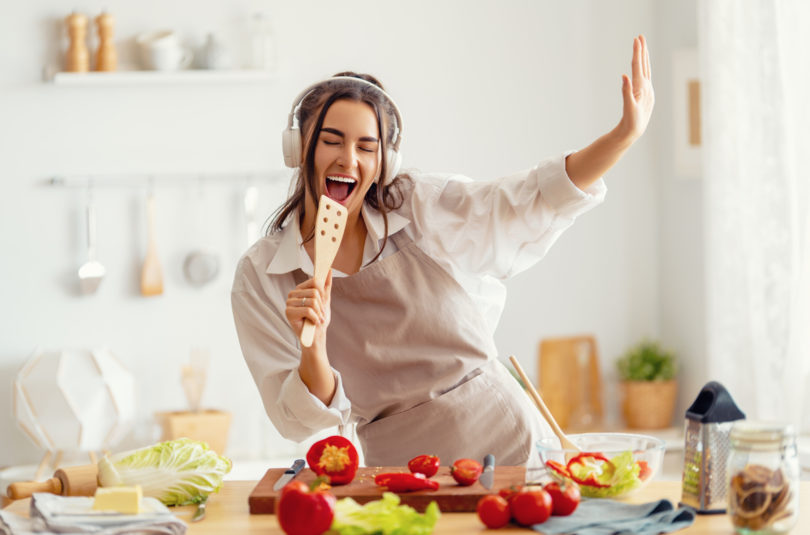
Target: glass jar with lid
763	478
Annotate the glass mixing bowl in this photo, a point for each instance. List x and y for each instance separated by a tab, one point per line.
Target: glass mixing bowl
609	465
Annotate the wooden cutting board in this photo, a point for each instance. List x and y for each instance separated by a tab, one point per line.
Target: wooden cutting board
450	497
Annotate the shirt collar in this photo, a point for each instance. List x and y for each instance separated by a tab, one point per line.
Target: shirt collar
291	254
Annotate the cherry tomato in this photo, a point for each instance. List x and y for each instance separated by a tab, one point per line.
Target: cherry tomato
564	499
507	493
424	464
466	471
531	507
493	511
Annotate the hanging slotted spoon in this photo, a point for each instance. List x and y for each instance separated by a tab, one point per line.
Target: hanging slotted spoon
329	227
92	271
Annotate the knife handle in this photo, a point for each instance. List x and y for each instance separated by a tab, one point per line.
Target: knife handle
489	460
296	467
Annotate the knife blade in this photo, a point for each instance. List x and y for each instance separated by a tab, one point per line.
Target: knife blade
199	514
289	474
487	478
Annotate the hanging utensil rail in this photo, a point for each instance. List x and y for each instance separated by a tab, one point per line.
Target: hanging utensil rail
137	180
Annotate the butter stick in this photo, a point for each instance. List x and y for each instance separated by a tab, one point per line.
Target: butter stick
126	500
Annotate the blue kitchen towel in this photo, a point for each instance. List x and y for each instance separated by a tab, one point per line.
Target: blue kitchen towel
610	517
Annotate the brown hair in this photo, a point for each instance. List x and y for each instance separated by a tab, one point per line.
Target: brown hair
310	115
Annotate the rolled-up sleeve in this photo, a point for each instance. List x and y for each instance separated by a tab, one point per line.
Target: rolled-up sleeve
500	227
272	354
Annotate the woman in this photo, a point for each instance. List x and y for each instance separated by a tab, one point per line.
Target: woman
404	324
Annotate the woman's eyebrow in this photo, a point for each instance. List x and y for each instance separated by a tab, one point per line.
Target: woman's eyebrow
337	132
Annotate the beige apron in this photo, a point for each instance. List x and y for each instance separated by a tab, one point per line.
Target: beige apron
419	369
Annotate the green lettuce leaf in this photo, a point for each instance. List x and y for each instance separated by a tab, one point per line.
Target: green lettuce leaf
176	472
622	478
384	517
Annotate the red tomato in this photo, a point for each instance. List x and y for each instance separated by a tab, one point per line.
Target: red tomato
304	512
531	507
644	470
466	471
493	511
507	493
564	499
424	464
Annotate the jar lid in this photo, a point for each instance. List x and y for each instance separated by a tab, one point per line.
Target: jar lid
757	433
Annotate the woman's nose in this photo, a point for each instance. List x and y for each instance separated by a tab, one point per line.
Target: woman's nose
348	156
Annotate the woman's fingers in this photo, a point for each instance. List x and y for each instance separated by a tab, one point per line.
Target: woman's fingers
637	68
646	59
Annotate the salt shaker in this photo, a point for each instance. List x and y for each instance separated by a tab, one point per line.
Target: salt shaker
106	56
763	478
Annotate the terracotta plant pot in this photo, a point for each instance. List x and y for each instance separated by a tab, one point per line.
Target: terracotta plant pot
648	404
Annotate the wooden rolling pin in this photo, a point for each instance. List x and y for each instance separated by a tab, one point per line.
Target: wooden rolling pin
68	481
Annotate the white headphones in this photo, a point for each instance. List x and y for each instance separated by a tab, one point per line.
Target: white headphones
291	141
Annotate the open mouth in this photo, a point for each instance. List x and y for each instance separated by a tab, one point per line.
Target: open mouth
339	187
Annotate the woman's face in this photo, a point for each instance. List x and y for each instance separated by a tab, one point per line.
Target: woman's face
347	154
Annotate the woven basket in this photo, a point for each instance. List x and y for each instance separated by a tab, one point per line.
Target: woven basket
649	404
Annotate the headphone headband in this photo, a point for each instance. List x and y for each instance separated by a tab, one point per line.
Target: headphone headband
397	138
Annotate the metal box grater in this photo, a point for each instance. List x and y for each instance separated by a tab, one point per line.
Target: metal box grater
706	435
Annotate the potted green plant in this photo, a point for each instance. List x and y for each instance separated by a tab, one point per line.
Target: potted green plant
649	385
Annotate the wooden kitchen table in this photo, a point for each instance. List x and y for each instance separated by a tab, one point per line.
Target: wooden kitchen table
228	513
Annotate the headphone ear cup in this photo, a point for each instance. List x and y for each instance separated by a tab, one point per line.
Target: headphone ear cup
393	161
291	146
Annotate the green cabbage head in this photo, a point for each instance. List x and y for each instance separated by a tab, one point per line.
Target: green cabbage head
176	472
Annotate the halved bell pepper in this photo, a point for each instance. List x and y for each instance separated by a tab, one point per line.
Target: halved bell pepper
334	457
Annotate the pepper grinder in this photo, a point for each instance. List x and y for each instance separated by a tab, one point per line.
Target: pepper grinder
106	56
78	58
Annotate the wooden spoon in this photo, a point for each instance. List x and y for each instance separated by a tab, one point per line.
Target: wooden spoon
329	226
565	442
151	274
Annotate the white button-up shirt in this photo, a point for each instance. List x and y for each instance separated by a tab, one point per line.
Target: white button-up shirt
480	232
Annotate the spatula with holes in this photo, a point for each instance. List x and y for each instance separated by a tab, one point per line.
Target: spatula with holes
329	227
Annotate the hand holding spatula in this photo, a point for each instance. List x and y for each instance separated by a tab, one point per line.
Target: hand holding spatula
329	226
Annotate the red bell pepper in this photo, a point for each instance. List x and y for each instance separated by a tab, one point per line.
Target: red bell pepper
590	480
404	482
302	511
559	468
334	457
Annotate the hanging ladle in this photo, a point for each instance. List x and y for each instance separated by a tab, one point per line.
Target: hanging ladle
92	271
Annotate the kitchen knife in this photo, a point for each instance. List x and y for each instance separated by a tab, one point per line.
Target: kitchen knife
289	474
488	475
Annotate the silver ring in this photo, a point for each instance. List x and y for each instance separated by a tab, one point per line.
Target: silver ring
303	301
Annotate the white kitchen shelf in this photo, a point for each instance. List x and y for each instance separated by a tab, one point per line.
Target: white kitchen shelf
124	78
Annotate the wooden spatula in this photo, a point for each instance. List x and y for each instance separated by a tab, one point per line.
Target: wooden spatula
329	227
151	274
565	442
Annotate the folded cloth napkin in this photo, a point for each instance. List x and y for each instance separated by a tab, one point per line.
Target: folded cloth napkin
67	514
610	517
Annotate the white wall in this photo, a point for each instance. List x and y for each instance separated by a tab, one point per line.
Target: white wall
485	89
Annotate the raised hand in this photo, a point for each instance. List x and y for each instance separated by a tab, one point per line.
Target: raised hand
637	93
